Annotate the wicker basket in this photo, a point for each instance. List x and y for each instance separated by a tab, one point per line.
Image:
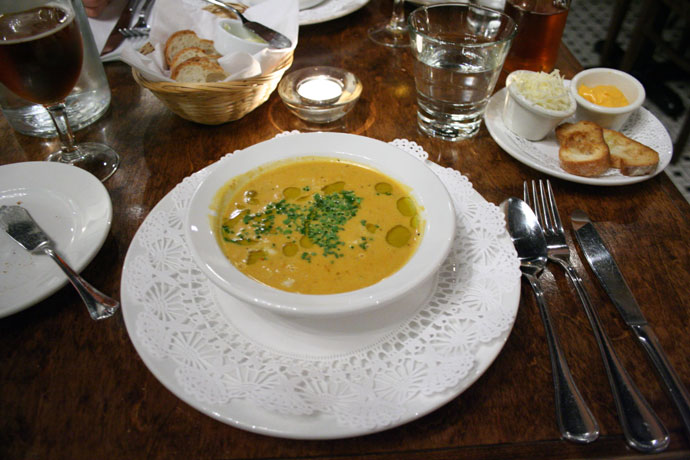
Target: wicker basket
216	103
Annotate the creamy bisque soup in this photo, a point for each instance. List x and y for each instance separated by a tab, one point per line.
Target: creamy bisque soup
317	225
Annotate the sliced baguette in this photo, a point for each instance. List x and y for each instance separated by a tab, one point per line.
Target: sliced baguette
582	151
185	39
631	157
198	70
188	53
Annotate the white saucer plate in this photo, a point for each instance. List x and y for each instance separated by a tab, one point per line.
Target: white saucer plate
642	126
320	378
318	11
71	206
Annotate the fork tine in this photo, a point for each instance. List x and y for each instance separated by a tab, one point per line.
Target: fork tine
554	208
133	33
537	205
525	194
545	209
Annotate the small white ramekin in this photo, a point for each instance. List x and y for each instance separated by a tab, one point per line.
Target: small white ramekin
607	117
232	37
527	119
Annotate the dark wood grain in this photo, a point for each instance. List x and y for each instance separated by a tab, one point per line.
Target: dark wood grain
74	388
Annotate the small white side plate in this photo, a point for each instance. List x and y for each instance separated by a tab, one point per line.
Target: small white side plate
642	126
71	206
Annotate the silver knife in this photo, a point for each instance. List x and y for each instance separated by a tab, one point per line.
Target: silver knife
605	268
115	37
22	228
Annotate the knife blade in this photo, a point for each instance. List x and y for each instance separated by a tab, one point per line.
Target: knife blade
115	37
606	270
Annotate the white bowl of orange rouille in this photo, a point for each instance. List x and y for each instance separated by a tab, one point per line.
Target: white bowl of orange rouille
320	224
606	96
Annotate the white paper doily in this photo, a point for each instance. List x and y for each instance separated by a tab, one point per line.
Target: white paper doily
320	379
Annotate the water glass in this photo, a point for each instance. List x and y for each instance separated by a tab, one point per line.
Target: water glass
459	51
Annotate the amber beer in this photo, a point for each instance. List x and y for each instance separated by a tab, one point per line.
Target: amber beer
540	28
41	53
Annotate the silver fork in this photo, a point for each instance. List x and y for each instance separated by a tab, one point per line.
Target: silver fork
131	32
642	428
141	27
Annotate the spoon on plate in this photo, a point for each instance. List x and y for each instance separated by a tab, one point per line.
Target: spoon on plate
274	38
574	418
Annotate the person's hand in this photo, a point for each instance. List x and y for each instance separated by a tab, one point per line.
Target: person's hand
95	7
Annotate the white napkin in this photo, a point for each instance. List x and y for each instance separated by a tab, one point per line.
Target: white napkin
169	16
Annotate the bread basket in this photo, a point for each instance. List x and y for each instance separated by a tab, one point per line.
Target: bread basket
216	103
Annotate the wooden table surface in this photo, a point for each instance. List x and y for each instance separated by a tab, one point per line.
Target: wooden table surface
74	388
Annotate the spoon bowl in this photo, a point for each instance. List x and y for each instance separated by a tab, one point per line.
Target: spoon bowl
527	235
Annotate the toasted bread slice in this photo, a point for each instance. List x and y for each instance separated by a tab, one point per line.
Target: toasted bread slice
185	39
631	157
582	151
198	70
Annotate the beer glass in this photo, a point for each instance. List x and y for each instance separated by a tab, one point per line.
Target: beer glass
540	28
41	51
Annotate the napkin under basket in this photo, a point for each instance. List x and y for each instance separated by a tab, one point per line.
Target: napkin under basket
216	103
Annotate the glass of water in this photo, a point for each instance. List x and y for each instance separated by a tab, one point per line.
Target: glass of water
459	51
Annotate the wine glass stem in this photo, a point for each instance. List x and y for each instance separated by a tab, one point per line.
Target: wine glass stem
397	21
58	112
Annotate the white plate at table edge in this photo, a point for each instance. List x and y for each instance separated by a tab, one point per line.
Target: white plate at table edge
315	14
68	187
260	421
493	117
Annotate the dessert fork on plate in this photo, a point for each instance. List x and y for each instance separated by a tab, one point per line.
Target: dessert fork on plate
642	428
22	228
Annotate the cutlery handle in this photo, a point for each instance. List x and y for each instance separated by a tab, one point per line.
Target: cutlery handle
674	386
574	418
642	428
98	304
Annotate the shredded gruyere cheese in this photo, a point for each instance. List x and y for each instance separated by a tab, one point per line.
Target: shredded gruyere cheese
544	89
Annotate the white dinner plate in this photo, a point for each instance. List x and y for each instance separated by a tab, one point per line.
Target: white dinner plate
323	10
320	378
71	206
642	126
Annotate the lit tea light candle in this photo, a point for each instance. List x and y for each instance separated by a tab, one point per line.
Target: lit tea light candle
320	89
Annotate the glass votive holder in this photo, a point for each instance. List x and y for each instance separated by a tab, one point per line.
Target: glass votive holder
320	94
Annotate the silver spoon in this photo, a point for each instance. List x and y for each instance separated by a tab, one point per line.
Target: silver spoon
274	38
574	418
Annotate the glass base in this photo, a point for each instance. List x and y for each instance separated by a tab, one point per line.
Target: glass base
449	130
98	159
390	36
